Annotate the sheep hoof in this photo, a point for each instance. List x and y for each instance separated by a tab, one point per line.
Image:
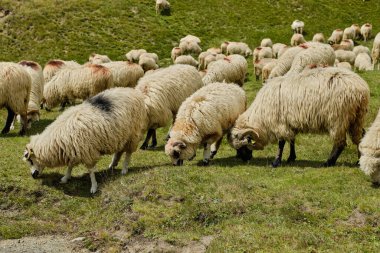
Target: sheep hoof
22	132
93	189
64	180
376	184
328	164
124	171
213	153
276	163
291	159
144	147
152	146
205	162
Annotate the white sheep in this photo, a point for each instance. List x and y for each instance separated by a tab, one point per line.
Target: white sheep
267	69
162	5
320	100
261	53
15	86
211	58
79	83
164	91
191	38
347	45
176	51
336	36
113	121
297	39
298	26
375	53
285	61
282	51
214	50
148	61
276	48
343	64
98	59
186	59
361	49
363	62
53	66
223	47
190	47
366	31
134	55
203	119
370	151
356	28
267	42
259	65
124	73
345	56
201	59
231	69
348	33
319	37
239	48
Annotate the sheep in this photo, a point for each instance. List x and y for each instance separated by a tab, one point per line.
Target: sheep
186	59
363	62
284	63
134	55
276	49
83	82
361	49
15	86
176	51
259	65
336	36
375	53
124	73
348	33
203	119
190	38
113	121
297	39
164	91
282	51
36	92
261	53
239	48
231	69
347	45
266	43
343	64
202	73
298	26
370	152
315	54
319	37
345	56
98	59
267	69
162	5
211	58
356	28
148	61
53	66
320	100
223	47
201	60
366	31
190	47
214	50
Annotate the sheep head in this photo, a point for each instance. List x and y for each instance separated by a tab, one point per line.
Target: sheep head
245	141
178	151
30	158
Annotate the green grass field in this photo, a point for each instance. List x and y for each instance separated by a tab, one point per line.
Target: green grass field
246	207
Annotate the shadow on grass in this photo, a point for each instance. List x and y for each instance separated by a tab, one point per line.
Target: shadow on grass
37	127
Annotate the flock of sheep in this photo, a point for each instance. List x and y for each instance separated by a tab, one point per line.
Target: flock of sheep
307	87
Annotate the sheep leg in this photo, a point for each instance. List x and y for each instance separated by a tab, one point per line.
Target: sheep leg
8	123
94	184
206	154
127	161
24	124
215	147
277	161
67	176
334	155
115	160
63	104
154	139
12	127
292	156
144	146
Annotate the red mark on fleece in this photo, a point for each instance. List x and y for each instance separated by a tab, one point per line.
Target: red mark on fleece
30	64
304	46
313	66
338	30
55	63
259	48
98	69
226	59
368	25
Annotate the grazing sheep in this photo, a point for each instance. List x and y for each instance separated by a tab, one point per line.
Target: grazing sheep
15	86
211	58
98	59
298	26
186	59
124	73
239	48
203	119
162	5
297	39
320	100
284	63
282	51
276	49
223	47
266	43
366	31
176	51
363	62
375	53
319	37
336	36
83	82
164	91
214	50
190	47
356	28
261	53
347	45
134	55
348	33
370	151
113	121
53	66
259	65
36	92
201	59
267	69
361	49
190	38
343	64
148	61
345	56
232	69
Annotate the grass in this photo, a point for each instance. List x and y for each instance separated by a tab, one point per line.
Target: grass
246	206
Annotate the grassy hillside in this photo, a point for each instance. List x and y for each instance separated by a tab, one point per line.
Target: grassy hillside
246	207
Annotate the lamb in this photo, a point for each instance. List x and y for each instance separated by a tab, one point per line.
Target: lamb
361	49
113	121
320	100
15	86
370	152
176	51
239	48
148	61
298	26
267	69
69	84
284	63
214	50
266	43
162	5
164	91
190	47
53	66
345	56
375	53
98	59
366	31
356	28
319	37
297	39
261	53
363	62
134	55
336	36
348	33
259	65
231	69
124	73
203	119
276	48
186	59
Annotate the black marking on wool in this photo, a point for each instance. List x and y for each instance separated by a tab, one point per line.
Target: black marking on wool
101	102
